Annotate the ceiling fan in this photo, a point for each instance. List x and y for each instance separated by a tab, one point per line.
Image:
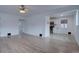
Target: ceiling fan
22	9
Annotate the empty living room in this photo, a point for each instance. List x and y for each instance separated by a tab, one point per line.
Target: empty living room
39	28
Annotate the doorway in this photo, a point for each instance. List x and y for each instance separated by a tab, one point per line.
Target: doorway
51	27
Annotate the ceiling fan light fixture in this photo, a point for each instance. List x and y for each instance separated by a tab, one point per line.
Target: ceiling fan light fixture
22	9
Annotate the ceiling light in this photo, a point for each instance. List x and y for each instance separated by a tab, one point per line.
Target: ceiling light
22	9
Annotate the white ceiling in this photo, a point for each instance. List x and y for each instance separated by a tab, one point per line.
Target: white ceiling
33	9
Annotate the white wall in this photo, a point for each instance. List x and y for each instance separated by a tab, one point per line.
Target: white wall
77	26
35	25
47	28
9	24
71	25
77	34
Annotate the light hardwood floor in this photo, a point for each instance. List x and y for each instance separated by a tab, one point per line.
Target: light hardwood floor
31	44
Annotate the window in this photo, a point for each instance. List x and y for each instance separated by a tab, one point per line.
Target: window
64	23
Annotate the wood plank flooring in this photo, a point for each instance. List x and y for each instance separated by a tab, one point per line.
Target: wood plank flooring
31	44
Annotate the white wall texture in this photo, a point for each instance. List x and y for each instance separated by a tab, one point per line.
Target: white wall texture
35	25
9	24
77	34
77	27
